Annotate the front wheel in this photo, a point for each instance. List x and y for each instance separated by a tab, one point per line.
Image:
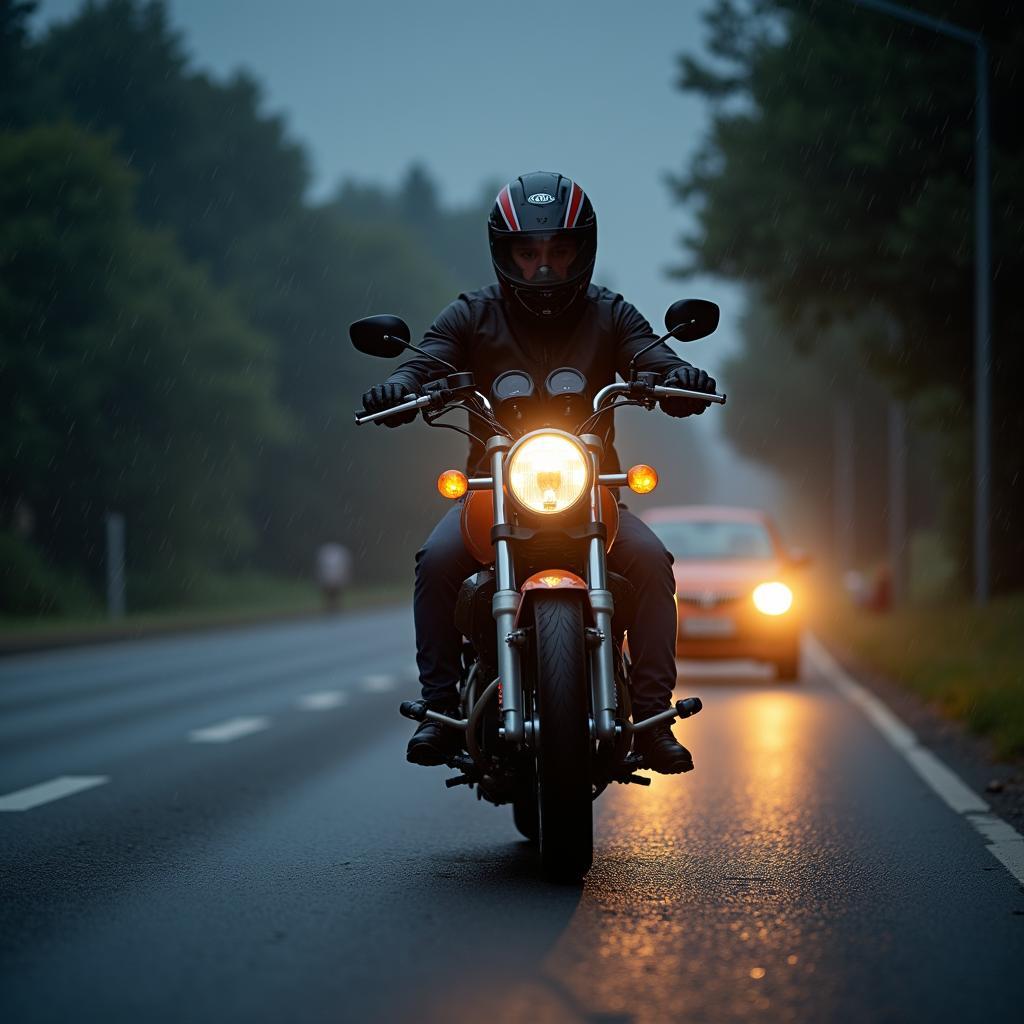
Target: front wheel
564	793
525	806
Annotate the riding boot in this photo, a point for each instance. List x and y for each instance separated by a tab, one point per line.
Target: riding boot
662	752
433	743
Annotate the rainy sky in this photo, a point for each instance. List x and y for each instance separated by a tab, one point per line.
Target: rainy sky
484	91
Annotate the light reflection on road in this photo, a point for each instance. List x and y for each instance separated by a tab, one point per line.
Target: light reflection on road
705	901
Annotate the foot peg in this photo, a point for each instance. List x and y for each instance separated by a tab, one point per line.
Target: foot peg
414	709
685	708
419	711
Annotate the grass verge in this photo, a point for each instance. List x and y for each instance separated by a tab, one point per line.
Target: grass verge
967	661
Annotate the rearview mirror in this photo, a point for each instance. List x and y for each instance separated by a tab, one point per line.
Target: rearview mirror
690	319
384	335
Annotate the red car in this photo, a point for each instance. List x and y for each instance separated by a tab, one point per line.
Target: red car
735	585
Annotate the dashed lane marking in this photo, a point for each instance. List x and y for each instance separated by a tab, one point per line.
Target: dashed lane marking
232	729
46	792
1005	843
323	701
378	684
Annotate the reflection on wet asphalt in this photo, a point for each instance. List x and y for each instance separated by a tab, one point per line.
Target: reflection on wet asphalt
751	890
802	873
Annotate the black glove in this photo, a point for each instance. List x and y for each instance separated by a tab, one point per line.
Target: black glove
692	379
384	396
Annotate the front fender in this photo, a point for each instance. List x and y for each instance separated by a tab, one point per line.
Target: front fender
556	579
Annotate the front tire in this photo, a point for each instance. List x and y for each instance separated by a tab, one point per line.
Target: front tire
525	806
564	792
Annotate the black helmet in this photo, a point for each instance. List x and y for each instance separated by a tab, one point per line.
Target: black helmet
543	235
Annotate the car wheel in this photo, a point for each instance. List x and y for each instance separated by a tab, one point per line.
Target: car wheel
787	669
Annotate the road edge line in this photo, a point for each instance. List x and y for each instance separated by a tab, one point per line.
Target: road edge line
1005	843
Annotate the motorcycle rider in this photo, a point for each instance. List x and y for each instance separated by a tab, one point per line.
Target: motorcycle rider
544	313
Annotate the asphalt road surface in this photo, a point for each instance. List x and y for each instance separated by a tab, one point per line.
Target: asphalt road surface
223	828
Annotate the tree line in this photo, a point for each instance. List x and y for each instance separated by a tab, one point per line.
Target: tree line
836	180
173	322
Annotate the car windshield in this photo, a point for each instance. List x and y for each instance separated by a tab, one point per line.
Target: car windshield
714	539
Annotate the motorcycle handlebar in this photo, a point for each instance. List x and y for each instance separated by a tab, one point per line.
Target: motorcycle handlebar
411	402
655	391
660	391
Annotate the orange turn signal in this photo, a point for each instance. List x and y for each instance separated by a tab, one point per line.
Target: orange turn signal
642	479
452	484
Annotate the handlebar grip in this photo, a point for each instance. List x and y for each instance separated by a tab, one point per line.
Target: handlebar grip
411	402
661	391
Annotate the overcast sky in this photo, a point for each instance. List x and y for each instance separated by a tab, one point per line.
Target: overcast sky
480	91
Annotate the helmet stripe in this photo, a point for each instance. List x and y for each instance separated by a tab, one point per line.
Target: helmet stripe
508	210
572	213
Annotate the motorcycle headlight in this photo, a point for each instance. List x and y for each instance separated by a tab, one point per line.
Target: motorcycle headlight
548	472
773	598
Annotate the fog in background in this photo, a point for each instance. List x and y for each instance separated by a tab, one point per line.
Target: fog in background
482	92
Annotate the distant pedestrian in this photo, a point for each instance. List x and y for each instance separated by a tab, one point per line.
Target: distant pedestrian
333	573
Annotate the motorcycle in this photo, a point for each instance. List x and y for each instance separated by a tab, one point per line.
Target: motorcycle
545	719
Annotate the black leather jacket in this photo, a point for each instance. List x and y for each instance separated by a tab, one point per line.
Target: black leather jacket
476	333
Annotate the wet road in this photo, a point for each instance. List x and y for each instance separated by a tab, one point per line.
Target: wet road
223	828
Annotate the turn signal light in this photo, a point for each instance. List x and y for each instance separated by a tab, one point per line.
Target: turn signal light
452	484
642	479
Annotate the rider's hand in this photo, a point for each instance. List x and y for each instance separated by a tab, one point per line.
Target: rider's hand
692	379
384	396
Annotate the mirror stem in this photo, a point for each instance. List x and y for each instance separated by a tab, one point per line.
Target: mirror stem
429	355
657	341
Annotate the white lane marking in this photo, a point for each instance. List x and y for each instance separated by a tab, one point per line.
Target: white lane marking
232	729
323	701
945	781
1005	843
54	789
378	684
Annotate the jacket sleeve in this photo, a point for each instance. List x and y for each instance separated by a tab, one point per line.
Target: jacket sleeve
635	333
448	339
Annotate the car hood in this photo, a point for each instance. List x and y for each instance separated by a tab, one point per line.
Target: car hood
732	573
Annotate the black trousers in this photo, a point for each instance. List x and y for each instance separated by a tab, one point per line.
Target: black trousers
443	563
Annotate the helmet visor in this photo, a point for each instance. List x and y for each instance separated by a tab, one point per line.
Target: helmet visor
543	260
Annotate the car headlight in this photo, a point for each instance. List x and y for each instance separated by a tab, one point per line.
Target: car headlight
548	472
773	598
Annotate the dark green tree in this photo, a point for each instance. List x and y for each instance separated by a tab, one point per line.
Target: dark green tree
17	82
837	177
128	382
455	237
211	164
304	281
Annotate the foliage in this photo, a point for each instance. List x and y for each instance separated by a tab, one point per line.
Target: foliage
211	164
303	281
967	661
837	177
173	315
455	238
129	383
29	586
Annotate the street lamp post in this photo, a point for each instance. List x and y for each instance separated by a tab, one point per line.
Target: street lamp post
982	279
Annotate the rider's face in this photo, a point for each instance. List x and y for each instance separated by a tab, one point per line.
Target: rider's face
556	254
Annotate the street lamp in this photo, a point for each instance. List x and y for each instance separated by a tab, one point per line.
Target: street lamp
982	279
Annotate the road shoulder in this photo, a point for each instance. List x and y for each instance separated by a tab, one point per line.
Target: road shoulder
999	782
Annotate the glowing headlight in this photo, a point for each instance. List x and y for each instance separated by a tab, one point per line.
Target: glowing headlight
548	473
773	598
